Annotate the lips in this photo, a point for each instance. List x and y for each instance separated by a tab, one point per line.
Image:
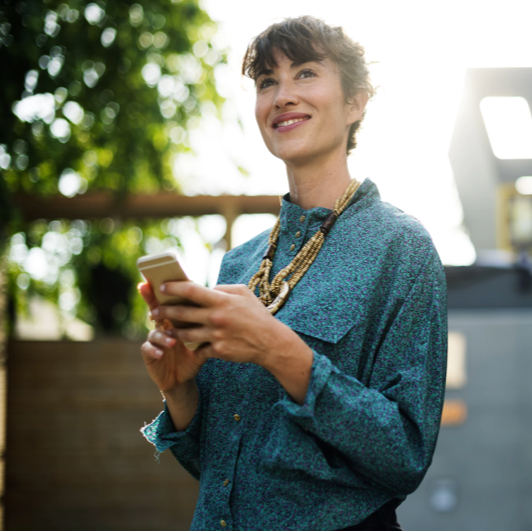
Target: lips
289	118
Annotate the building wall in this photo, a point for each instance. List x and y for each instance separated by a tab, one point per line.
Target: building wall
481	476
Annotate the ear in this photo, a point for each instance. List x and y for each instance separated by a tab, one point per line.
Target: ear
356	106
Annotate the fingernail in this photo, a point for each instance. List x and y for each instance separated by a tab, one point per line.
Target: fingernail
163	288
169	341
158	352
155	312
139	285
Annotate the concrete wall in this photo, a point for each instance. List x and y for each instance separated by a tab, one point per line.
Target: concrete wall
481	477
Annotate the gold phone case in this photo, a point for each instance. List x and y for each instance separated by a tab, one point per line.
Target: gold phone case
160	268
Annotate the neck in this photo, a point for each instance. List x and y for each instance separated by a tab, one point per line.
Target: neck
318	184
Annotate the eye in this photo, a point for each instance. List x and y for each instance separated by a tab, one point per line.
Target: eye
306	73
266	83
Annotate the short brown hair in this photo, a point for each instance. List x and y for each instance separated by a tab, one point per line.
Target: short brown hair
306	39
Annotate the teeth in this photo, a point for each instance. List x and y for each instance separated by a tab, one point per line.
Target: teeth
290	122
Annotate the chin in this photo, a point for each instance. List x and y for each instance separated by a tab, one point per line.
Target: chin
295	154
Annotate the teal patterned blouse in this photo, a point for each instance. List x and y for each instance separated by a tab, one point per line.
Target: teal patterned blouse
373	309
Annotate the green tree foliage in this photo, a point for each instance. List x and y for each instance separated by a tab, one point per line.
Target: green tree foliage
105	90
96	95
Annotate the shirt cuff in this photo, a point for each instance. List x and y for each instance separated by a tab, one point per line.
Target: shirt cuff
320	373
162	433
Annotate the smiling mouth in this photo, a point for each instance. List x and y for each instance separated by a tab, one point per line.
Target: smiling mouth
290	122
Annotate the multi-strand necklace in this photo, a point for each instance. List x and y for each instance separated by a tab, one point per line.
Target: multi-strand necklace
273	295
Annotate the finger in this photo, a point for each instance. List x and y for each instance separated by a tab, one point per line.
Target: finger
160	339
157	322
234	289
174	331
166	326
150	351
200	352
183	314
200	334
205	351
147	294
193	292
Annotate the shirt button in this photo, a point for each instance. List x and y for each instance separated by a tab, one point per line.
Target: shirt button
223	523
298	234
302	218
226	482
237	417
292	247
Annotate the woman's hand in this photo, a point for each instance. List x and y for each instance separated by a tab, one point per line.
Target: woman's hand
169	363
233	325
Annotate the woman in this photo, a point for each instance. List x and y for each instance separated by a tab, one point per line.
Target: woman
314	401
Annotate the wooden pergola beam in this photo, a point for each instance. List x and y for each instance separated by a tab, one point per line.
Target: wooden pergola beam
98	205
162	205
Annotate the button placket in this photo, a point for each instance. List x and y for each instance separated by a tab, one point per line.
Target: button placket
300	232
296	230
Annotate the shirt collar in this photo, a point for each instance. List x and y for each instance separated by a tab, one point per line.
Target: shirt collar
293	215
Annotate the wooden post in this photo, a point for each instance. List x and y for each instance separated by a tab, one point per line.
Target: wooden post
3	377
230	212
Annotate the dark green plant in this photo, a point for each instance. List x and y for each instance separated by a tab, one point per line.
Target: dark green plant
97	96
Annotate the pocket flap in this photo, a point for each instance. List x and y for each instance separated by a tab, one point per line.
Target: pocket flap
325	310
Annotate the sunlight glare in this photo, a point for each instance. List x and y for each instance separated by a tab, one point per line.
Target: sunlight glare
524	185
509	125
248	226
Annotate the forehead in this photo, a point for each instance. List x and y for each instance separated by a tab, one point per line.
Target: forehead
269	55
280	60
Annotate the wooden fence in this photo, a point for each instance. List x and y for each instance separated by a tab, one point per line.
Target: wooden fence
75	457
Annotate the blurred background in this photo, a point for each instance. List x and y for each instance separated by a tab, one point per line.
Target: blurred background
127	129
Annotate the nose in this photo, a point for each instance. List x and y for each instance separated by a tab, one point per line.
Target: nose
286	95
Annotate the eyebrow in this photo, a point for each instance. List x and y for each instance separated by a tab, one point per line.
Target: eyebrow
295	64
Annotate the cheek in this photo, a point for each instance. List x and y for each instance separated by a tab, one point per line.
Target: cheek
261	112
332	101
261	116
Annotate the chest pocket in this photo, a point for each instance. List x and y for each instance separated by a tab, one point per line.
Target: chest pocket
324	311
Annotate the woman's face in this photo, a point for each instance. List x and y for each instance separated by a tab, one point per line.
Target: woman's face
302	112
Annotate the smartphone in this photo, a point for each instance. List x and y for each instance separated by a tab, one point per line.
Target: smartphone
165	267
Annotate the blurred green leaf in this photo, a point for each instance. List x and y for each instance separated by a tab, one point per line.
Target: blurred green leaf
96	95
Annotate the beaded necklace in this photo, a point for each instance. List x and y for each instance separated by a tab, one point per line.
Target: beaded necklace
273	295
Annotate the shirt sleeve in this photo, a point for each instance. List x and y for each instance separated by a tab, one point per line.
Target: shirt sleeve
184	445
385	432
